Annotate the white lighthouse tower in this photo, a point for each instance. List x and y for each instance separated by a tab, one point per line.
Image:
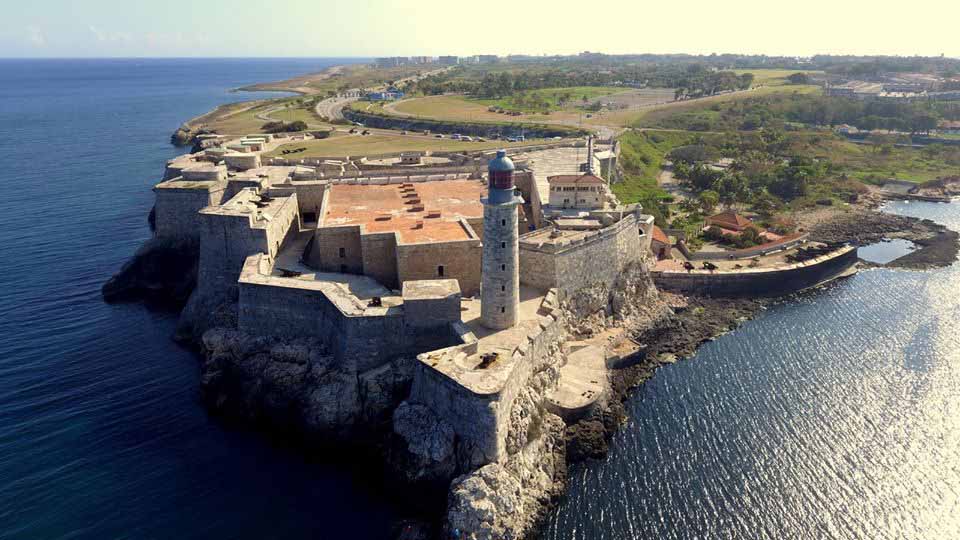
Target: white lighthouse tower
500	279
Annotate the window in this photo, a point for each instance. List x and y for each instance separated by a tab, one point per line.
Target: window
503	288
503	244
343	253
503	310
440	271
503	222
503	267
309	217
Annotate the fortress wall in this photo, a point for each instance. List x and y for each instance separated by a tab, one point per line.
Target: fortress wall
460	260
328	241
177	209
380	257
361	336
598	257
481	421
761	281
228	239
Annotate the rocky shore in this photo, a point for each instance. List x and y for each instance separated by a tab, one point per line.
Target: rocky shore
938	245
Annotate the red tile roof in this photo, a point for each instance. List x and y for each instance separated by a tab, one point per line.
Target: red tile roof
729	220
659	235
576	179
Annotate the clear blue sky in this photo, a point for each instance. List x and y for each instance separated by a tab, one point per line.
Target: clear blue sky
98	28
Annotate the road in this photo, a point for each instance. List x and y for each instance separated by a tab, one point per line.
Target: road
332	108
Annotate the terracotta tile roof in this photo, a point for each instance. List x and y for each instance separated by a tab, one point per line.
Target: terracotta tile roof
730	220
586	179
660	236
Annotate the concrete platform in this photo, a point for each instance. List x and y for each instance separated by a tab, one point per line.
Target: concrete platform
583	382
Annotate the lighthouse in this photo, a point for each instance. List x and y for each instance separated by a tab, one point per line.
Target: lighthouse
500	278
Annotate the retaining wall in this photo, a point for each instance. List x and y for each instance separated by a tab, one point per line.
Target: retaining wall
758	281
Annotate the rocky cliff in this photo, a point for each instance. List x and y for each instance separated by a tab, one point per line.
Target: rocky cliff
162	270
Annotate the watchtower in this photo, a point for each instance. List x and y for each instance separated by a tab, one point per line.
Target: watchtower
500	278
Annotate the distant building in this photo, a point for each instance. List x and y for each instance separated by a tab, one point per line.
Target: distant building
392	61
421	60
488	58
586	191
660	244
389	95
730	221
448	60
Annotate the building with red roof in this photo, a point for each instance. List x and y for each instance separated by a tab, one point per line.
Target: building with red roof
729	220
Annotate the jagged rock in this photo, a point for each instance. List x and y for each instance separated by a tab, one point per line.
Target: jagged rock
161	270
296	385
426	443
205	311
505	501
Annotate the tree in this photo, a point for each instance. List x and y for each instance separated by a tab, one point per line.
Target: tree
798	78
708	200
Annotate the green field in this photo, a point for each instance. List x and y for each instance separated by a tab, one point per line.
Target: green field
549	99
377	143
773	77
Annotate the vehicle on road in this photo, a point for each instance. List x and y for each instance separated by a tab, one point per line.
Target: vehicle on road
426	132
403	132
358	124
353	130
366	132
455	136
481	139
439	135
466	138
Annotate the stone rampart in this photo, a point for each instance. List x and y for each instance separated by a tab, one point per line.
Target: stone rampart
758	281
477	402
177	207
360	334
570	265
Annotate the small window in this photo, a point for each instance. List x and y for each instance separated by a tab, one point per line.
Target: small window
503	288
503	267
503	310
309	217
503	245
440	270
343	253
503	222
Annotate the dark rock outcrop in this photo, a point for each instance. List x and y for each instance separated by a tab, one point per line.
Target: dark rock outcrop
163	271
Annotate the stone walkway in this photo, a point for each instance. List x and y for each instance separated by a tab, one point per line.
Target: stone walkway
583	381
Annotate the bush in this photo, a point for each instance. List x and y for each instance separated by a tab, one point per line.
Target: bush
284	127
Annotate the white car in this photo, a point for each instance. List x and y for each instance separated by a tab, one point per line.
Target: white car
466	138
455	136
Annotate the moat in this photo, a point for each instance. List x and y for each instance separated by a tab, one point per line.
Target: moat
685	465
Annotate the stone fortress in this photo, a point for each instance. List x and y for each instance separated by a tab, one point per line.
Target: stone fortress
441	303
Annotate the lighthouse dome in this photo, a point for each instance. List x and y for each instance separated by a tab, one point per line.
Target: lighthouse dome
501	163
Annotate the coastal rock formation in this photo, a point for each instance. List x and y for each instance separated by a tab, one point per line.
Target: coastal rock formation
162	270
294	385
506	500
938	245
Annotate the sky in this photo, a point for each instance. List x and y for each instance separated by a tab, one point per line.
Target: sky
369	28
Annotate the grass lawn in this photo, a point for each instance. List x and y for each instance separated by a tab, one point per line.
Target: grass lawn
550	98
773	77
866	163
706	109
360	145
641	155
463	109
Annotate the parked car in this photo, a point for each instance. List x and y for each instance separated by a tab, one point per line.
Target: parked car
366	132
481	139
426	132
403	132
439	135
455	136
466	138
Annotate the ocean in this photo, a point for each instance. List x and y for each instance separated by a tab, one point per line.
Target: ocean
835	414
101	431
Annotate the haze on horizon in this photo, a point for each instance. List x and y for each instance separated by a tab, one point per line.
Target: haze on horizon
367	28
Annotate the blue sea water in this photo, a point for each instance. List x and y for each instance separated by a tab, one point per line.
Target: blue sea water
101	432
835	414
